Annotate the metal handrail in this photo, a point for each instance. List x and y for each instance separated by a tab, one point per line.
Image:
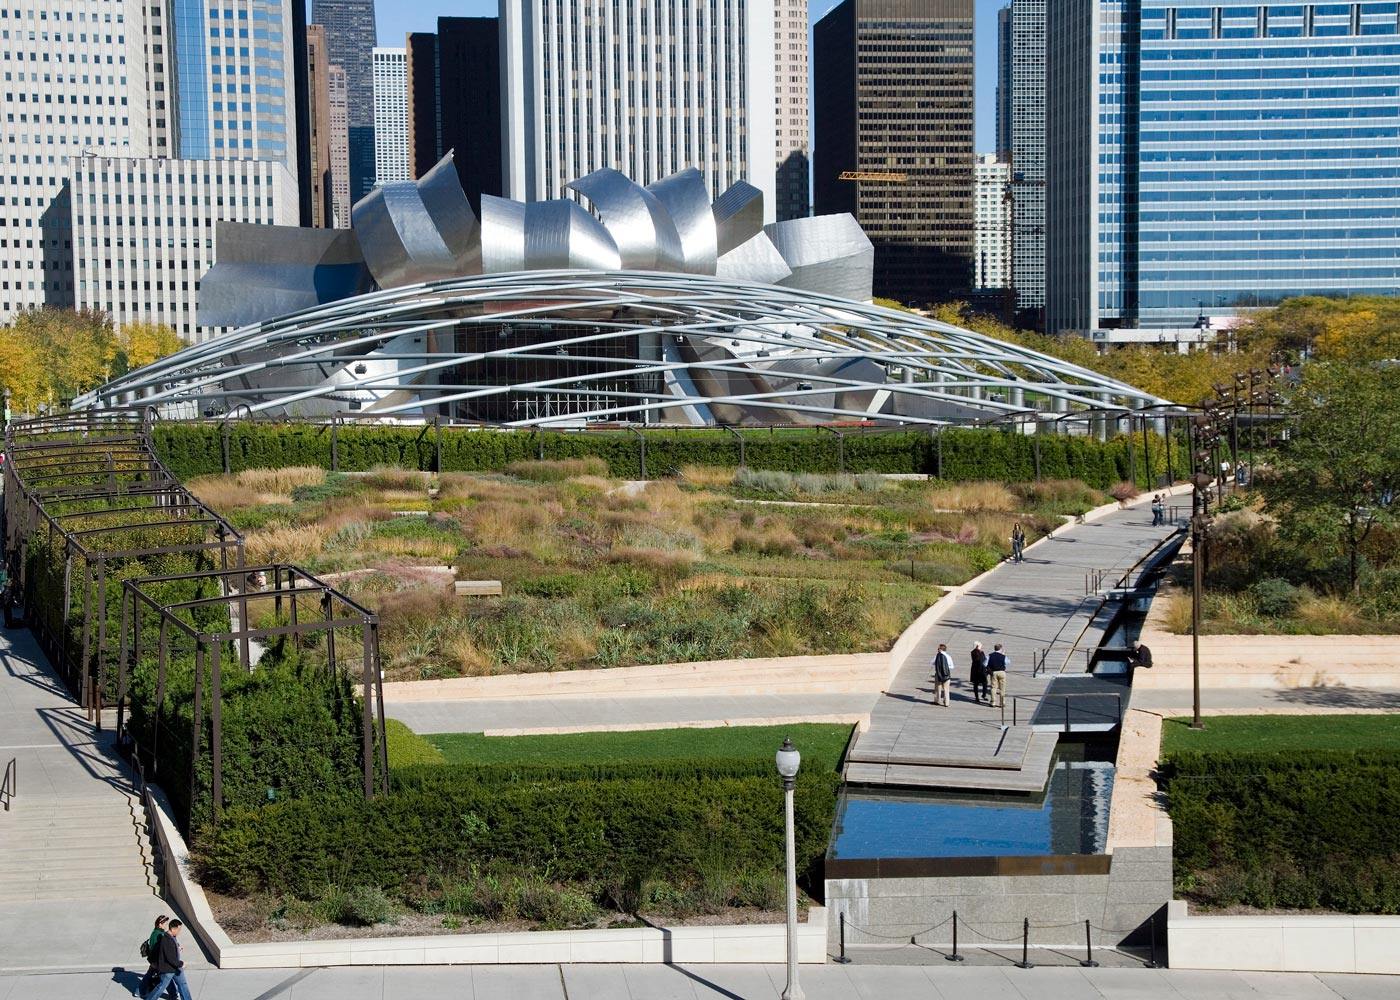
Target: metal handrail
1015	698
9	784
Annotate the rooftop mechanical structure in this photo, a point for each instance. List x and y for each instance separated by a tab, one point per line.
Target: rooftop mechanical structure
655	307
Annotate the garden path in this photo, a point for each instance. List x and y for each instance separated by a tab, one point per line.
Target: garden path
1039	605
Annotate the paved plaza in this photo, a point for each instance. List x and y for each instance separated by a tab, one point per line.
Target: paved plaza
716	982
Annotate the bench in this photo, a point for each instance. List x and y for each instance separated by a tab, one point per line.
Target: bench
477	588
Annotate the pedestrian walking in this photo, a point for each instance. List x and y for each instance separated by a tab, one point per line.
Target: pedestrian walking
1141	656
978	675
1159	511
1018	542
169	965
151	952
997	665
942	675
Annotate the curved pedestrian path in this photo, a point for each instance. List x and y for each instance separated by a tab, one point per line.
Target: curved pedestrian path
1041	607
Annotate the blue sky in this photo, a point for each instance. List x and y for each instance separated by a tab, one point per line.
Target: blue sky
398	17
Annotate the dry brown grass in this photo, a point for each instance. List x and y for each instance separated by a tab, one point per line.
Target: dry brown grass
442	549
771	539
557	471
973	496
1176	615
471	659
885	622
281	481
576	646
465	485
664	561
496	523
1329	614
388	477
284	543
223	493
709	476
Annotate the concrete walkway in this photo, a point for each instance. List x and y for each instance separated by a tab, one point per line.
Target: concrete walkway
74	889
943	981
1039	604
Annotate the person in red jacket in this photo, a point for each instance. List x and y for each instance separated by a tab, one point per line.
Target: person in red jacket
169	964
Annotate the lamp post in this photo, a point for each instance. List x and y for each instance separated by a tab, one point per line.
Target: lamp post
788	760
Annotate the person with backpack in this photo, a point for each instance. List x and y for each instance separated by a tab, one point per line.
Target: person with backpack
169	966
942	675
149	949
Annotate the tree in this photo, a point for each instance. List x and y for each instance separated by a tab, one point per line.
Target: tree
138	344
1333	481
57	354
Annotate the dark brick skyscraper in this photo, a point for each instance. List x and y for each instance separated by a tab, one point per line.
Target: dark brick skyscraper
350	40
893	96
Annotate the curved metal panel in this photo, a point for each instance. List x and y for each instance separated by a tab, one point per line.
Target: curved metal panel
827	253
502	235
687	201
447	205
756	260
645	235
560	234
738	215
267	271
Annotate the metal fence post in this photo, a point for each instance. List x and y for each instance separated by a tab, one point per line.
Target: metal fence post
1025	962
841	959
1088	962
954	957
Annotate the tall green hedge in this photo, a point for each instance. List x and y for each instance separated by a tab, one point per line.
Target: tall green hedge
1298	830
610	827
955	454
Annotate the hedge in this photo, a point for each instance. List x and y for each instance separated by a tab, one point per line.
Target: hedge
583	825
954	454
1298	830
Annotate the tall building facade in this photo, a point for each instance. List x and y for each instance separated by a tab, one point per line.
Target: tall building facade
1203	157
1004	81
893	89
338	89
454	98
144	229
1026	110
391	153
351	37
648	88
991	254
318	73
792	120
75	85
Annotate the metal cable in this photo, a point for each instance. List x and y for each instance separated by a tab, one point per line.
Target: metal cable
897	937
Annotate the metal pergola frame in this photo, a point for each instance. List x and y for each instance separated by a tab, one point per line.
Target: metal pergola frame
288	583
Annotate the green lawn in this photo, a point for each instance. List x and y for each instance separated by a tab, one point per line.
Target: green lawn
821	745
1283	733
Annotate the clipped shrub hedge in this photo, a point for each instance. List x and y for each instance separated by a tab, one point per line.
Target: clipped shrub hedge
608	827
1298	830
956	455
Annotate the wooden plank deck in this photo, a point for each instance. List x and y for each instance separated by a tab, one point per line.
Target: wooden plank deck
1037	605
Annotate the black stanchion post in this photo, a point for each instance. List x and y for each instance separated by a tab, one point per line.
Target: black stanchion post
1152	962
954	957
1088	962
841	959
1025	962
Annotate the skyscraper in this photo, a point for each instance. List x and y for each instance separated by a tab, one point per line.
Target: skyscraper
893	104
646	88
791	119
991	258
1204	157
454	82
1026	74
319	89
1004	81
351	37
391	153
76	86
337	90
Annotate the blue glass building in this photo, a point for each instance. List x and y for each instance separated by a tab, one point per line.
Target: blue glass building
1206	156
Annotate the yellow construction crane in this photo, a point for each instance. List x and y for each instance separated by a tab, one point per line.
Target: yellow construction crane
873	175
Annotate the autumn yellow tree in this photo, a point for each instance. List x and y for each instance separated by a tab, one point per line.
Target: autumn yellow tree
139	344
53	355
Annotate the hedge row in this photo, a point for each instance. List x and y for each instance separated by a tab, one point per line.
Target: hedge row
613	830
1299	830
954	455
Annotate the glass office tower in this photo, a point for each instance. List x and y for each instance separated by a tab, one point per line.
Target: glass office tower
1234	155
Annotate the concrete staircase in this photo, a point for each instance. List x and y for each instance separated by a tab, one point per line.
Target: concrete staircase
89	848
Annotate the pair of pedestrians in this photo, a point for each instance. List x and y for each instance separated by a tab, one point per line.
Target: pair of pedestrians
988	674
167	968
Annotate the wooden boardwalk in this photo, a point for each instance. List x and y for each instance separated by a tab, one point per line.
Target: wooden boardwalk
1037	605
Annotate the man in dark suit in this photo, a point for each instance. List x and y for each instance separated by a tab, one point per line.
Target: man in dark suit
168	964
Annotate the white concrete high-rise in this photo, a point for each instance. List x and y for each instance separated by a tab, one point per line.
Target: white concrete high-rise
392	156
75	84
648	88
144	230
991	216
792	108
